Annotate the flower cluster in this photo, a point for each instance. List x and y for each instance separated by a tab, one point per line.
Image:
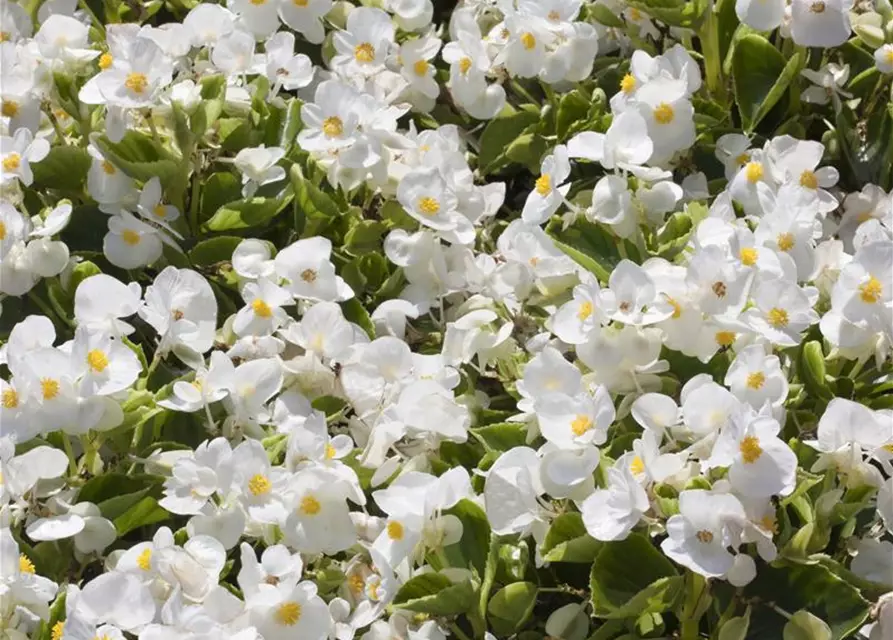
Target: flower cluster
508	319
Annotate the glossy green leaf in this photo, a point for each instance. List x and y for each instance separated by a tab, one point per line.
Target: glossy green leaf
510	607
435	594
761	76
250	212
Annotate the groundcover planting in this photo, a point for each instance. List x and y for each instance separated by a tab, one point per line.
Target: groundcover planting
414	320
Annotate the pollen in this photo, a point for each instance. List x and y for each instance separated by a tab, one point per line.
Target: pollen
49	388
259	485
105	61
300	3
677	308
159	210
131	237
753	171
364	53
12	162
663	113
429	206
889	56
554	16
756	380
777	317
25	564
528	40
817	7
584	311
395	530
9	108
785	241
581	424
544	184
769	523
258	3
97	360
356	583
725	338
742	159
637	466
809	180
628	84
308	276
144	560
705	536
109	168
330	452
58	630
719	289
10	399
310	506
288	613
420	67
870	292
261	309
2	231
750	449
464	65
137	82
332	127
748	256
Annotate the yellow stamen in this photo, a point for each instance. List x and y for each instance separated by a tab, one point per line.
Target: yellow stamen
364	53
544	184
429	206
725	338
137	82
528	40
97	360
777	317
809	180
10	398
12	162
395	530
25	564
288	613
49	388
58	630
464	65
131	237
108	167
637	466
663	113
420	67
756	380
105	61
753	171
261	309
750	449
628	84
259	485
310	506
9	108
748	256
584	311
333	127
870	292
785	241
581	424
705	536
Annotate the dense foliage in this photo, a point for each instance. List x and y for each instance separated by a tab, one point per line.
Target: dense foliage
400	319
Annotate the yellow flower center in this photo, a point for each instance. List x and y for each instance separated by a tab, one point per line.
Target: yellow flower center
769	524
554	16
777	317
288	613
705	536
330	452
144	560
464	65
635	15
97	360
581	424
137	82
25	564
785	241
49	388
131	237
2	231
628	84
429	206
420	67
310	506
12	162
300	3
10	399
395	530
259	485
818	7
637	466
108	167
261	309
356	583
742	159
58	630
584	311
663	113
9	108
364	53
719	289
748	256
870	292
258	3
750	449
105	61
544	184
333	127
888	56
753	171
809	180
756	380
159	210
725	338
528	40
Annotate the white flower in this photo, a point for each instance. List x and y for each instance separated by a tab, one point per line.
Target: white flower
318	515
290	610
579	421
883	58
820	23
305	17
363	46
550	190
258	167
17	153
610	514
307	267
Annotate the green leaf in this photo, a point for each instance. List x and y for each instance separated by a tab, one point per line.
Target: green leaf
805	626
601	13
815	588
292	125
144	512
676	13
761	77
499	134
812	370
735	628
592	247
435	594
63	168
631	577
220	188
364	237
250	212
527	149
475	540
141	158
503	436
511	606
109	485
219	249
355	312
567	540
313	209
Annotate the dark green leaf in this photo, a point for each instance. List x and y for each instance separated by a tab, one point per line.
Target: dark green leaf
435	594
250	212
63	168
511	606
761	77
500	132
208	252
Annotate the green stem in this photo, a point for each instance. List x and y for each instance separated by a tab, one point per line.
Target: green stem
458	632
96	21
72	463
709	37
